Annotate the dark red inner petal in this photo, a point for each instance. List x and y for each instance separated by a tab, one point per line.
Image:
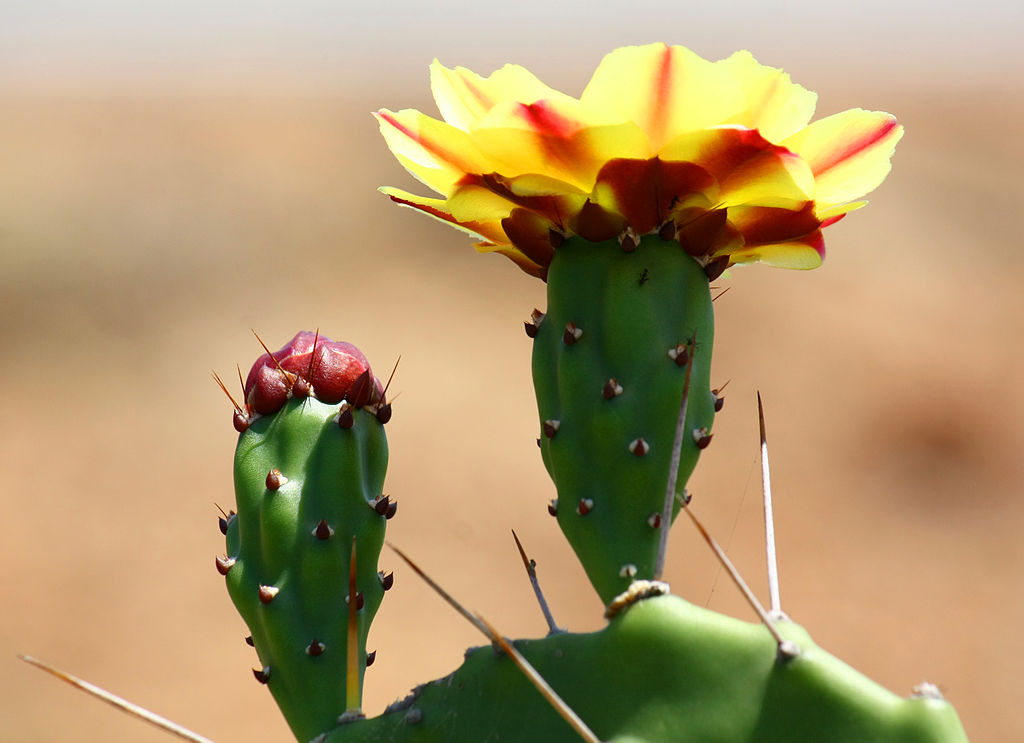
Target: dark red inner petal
596	224
764	224
701	235
531	234
731	148
646	190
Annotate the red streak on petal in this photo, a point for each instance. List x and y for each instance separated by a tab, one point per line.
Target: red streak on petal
485	100
817	241
555	135
397	124
486	230
732	148
855	147
427	143
424	208
662	92
545	120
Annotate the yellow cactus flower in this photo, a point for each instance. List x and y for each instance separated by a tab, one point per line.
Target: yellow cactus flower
719	155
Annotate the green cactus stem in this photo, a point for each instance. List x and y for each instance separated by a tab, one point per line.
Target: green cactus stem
663	670
609	365
308	481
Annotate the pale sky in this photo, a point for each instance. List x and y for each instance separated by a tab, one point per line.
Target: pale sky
224	40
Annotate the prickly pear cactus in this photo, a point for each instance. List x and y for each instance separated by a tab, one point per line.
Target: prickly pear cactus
309	471
610	361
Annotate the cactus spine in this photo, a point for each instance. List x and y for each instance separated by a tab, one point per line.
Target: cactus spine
609	366
308	480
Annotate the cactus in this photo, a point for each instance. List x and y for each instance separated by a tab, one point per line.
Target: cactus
626	202
610	362
309	468
627	233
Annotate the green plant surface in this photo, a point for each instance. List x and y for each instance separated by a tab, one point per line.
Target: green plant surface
663	671
332	477
608	400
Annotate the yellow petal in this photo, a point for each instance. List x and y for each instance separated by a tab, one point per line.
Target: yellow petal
476	203
666	90
832	214
774	105
769	179
438	209
848	153
551	139
436	153
534	184
463	97
781	255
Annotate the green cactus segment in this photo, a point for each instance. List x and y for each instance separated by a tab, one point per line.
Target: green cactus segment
609	369
291	543
665	670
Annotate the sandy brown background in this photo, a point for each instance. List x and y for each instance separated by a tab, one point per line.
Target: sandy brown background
143	235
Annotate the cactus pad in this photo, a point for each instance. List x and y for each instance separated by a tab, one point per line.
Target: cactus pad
609	367
664	670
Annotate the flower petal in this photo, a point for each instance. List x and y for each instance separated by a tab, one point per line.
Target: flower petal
805	253
719	152
438	209
476	203
775	105
551	139
463	97
517	257
436	153
770	178
760	225
848	153
534	184
491	196
748	168
531	234
596	224
644	192
665	89
707	232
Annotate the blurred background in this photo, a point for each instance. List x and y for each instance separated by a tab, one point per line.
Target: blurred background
173	174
